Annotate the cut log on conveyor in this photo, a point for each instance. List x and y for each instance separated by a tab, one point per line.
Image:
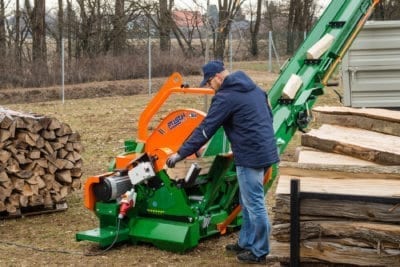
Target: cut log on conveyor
311	155
40	162
367	145
378	120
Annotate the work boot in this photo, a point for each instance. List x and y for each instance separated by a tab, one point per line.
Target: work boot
235	248
249	257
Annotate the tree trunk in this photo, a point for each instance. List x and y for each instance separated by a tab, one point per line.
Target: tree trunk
119	32
17	45
60	25
70	23
39	49
2	31
254	30
227	12
165	24
291	18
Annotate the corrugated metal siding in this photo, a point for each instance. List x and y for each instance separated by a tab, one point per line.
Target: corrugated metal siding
371	67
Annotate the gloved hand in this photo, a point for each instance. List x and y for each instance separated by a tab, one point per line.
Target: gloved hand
173	159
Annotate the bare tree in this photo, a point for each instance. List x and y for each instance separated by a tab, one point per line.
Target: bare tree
254	29
300	19
39	48
71	21
387	10
272	11
119	32
165	24
184	27
227	12
60	24
2	30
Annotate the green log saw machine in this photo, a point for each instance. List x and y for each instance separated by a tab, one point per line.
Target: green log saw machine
140	200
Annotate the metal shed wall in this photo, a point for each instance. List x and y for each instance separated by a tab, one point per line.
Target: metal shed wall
371	68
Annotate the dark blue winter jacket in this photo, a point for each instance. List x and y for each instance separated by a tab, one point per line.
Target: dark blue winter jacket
241	107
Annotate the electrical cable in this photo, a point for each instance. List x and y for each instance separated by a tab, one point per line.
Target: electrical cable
41	249
111	245
66	251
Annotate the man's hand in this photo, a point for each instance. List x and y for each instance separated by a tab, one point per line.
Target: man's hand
173	159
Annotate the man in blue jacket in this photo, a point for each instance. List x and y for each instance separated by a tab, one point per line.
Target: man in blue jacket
241	107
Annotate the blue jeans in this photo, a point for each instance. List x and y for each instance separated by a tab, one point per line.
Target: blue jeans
255	230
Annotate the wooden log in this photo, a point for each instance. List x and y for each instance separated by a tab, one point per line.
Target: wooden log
5	120
34	154
379	120
75	138
330	252
76	184
355	187
359	143
334	209
76	172
48	135
62	153
6	189
338	171
4	156
374	235
64	139
315	156
36	200
26	138
4	135
357	210
64	176
12	203
34	170
64	129
3	176
23	201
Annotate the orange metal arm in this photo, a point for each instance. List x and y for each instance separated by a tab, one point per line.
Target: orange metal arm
172	85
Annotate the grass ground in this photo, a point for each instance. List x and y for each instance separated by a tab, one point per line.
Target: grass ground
104	124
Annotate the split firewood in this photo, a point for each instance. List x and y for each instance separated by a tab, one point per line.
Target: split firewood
40	161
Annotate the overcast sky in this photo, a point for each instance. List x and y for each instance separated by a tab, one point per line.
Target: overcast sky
184	4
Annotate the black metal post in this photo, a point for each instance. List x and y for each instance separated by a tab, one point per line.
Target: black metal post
294	223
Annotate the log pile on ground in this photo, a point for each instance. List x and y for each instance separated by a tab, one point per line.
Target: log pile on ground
356	152
40	162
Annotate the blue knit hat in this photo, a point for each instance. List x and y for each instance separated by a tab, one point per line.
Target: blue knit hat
210	69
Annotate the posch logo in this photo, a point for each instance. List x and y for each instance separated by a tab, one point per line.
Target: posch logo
176	121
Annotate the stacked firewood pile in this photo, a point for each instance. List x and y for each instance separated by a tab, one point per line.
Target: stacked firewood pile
355	154
40	162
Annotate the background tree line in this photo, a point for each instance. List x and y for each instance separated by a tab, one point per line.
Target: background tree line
107	39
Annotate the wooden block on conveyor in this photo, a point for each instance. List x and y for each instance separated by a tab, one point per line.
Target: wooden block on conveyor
359	143
320	47
374	119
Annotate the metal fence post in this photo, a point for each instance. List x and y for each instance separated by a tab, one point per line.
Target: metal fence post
270	51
